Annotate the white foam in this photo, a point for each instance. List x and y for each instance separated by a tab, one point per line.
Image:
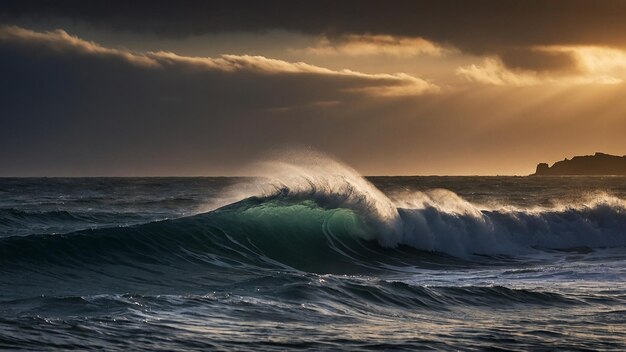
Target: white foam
455	226
439	220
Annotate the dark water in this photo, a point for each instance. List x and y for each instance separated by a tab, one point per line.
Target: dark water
320	261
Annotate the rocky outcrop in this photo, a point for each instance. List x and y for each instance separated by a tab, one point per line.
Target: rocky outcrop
597	164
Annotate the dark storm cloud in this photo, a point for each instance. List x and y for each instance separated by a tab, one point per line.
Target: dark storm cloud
65	101
500	27
540	60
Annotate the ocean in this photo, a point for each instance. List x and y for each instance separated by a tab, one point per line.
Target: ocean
313	258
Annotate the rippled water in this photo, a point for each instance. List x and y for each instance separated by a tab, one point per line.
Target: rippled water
321	259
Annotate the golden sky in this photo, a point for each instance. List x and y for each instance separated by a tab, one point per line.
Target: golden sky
399	88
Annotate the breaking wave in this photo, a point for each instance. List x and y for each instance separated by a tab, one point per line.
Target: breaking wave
321	216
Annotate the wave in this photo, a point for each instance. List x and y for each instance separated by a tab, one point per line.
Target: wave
321	216
26	222
253	234
347	295
446	223
439	220
12	216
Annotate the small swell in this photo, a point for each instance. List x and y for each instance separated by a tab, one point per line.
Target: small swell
24	222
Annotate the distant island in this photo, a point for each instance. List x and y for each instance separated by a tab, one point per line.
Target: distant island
597	164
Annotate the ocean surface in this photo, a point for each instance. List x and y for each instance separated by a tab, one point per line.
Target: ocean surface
313	257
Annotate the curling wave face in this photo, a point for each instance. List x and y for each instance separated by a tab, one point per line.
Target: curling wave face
323	217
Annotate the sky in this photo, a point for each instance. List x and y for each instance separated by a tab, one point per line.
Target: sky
194	88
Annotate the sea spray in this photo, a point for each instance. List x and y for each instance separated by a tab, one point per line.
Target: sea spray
307	175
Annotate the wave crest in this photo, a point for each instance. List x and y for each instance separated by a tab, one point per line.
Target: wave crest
316	214
327	182
439	220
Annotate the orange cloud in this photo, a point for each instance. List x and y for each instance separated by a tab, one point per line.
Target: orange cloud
368	45
383	84
493	72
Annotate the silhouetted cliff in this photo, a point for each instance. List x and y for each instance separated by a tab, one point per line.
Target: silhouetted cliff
597	164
